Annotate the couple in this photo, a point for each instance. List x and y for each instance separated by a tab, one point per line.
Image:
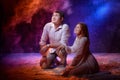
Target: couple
58	34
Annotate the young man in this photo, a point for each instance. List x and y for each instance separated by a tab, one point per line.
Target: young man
57	33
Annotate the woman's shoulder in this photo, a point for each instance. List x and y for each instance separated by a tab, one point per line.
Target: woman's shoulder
84	39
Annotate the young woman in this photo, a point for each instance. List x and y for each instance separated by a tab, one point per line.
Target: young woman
83	62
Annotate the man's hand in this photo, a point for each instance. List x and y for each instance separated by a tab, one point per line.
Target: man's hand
44	49
60	47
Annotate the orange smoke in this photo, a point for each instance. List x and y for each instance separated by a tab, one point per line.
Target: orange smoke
26	8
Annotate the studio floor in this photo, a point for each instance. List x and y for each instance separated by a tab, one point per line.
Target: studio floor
25	66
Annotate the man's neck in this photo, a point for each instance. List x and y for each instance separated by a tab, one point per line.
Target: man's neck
56	25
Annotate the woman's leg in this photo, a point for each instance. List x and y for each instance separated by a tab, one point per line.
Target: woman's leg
80	70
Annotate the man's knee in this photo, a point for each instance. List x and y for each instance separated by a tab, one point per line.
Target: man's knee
44	66
62	53
51	56
43	62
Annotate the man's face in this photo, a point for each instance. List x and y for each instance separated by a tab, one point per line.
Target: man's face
56	19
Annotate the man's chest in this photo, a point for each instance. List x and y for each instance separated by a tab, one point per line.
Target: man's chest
55	34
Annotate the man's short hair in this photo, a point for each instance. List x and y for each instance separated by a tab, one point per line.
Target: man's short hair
60	12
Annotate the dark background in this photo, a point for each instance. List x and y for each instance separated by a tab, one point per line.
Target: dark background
22	21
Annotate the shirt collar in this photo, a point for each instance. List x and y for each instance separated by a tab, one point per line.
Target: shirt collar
58	28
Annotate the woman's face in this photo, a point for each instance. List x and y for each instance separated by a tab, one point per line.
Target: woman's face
77	29
56	19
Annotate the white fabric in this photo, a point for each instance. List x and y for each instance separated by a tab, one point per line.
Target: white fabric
59	35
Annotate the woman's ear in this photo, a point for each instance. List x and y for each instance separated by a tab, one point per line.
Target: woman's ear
62	19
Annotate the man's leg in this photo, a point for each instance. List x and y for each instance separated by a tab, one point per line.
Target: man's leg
43	62
62	54
47	61
51	59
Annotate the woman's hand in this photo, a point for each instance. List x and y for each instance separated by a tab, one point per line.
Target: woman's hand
60	51
60	47
68	68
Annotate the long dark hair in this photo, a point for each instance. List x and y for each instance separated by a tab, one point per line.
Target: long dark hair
84	29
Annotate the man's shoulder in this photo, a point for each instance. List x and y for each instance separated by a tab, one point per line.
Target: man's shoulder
49	24
65	26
